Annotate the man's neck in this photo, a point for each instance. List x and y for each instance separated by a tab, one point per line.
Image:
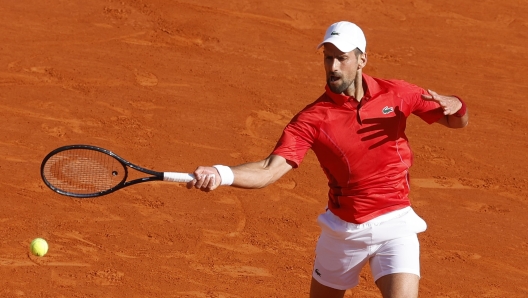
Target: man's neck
358	86
356	90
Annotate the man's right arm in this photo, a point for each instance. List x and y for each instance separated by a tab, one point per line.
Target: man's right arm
249	175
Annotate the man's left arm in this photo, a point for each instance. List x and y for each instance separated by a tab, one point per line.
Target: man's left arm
455	110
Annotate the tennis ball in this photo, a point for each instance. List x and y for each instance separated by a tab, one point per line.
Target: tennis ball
38	247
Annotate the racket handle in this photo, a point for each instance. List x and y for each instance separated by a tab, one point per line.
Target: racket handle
177	177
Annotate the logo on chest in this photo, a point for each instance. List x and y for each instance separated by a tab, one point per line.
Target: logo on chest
386	110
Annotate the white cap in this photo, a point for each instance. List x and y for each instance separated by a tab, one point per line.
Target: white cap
345	36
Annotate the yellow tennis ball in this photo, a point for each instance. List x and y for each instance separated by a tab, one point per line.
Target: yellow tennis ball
38	247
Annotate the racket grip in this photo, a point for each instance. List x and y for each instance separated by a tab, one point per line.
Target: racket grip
177	177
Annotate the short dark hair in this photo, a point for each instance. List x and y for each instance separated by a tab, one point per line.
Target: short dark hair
358	52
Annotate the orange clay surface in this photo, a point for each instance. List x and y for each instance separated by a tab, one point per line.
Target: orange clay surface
171	85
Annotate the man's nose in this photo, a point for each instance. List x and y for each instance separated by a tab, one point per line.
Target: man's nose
335	64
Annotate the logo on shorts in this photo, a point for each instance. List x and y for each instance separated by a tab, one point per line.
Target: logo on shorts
387	110
334	33
317	272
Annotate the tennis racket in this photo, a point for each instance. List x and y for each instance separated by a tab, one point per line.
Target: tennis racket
84	171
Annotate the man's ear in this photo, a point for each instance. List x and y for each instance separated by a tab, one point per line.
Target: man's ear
362	60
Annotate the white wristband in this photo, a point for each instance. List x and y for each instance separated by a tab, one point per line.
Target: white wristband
226	174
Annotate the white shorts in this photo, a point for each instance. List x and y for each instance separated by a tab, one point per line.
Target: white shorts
389	242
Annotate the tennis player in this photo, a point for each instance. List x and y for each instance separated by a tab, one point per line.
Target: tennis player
356	128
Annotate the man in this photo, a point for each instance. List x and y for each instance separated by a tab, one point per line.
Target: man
356	129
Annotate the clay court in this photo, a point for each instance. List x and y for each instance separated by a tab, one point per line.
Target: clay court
171	85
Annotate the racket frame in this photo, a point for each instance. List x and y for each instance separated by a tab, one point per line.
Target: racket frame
155	176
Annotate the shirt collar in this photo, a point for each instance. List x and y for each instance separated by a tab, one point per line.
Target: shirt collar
372	88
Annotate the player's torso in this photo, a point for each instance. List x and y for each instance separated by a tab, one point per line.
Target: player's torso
358	146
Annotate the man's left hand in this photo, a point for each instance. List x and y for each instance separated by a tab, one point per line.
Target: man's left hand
449	104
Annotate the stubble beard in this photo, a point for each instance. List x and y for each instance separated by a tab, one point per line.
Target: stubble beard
340	88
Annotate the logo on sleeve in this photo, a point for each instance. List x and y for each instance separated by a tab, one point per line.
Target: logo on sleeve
386	110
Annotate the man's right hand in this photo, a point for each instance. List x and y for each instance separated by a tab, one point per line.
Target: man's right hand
206	179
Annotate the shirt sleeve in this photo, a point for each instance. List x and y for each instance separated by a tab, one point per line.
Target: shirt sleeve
297	138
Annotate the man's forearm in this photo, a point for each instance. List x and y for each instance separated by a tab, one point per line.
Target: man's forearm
261	173
457	122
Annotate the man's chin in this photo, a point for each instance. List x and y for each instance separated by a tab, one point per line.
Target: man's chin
337	89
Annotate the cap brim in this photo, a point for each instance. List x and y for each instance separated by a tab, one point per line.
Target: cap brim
339	43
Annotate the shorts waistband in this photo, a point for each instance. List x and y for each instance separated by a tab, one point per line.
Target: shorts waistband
377	220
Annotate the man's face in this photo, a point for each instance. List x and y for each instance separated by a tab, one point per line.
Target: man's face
341	69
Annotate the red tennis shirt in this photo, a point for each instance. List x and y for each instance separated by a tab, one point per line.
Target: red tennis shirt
361	146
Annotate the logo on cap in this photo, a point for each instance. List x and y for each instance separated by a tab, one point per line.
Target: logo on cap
334	33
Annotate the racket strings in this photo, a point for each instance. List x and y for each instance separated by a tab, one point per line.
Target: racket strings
83	171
